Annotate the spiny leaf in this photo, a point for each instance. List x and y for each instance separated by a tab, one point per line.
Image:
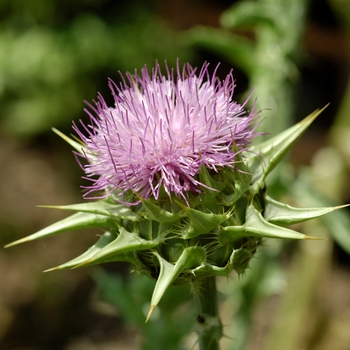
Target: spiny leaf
104	240
156	213
125	242
256	225
243	177
201	223
283	214
241	183
210	190
74	222
208	181
206	269
337	223
240	258
101	207
263	157
190	257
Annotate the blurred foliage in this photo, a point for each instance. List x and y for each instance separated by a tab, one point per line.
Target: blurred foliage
262	38
131	298
54	54
340	133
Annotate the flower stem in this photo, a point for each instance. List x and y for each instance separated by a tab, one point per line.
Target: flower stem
209	326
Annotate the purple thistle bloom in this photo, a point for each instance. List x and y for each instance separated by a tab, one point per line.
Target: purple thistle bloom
162	129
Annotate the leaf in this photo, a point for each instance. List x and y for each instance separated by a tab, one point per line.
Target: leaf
337	222
243	177
190	257
104	240
124	243
283	214
211	270
241	183
210	190
256	225
156	213
264	157
74	222
201	223
101	207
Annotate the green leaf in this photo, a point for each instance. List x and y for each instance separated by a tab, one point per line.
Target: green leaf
190	257
201	223
211	270
156	213
241	182
240	258
101	207
256	225
283	214
104	240
212	189
124	243
74	222
264	157
80	147
337	222
243	177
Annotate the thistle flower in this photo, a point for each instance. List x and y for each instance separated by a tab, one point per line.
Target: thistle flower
162	130
183	136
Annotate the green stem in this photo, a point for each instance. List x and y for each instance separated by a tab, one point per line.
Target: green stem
209	326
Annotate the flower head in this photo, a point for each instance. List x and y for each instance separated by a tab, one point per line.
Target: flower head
162	130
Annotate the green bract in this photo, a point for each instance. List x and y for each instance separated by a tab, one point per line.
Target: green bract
175	243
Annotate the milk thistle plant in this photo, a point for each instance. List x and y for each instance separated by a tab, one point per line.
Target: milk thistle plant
177	185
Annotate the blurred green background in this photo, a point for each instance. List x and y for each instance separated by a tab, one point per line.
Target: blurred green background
55	54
